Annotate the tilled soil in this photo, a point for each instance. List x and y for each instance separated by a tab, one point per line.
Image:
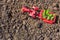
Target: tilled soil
17	26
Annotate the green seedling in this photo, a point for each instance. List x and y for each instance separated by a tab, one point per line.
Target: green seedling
47	15
47	12
52	18
48	18
44	15
50	15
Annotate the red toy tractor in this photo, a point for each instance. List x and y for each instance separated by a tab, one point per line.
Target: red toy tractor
45	15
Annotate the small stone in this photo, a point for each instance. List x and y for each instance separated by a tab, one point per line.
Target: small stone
24	22
16	31
54	4
8	1
55	8
46	38
9	39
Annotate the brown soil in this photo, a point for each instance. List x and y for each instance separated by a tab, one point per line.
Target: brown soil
17	26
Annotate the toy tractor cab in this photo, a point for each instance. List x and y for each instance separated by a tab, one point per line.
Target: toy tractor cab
45	15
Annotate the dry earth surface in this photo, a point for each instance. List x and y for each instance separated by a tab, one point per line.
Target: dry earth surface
17	26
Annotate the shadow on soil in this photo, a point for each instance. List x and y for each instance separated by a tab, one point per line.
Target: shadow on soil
56	19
